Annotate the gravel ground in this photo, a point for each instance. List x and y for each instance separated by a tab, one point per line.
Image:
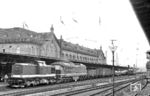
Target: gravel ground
145	91
128	92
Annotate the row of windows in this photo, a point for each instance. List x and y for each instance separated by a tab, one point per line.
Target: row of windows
16	49
53	51
18	35
70	56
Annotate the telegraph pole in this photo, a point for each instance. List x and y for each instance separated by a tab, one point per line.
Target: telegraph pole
113	49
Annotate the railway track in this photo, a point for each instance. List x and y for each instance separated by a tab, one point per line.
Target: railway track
66	86
108	91
99	89
118	88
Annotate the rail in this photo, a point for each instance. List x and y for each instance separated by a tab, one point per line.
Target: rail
96	83
106	88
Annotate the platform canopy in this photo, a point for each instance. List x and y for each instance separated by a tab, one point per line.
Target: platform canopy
142	10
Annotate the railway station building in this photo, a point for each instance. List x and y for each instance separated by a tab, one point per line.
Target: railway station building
75	52
25	42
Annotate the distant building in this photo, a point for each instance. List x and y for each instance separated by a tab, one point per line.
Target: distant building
22	41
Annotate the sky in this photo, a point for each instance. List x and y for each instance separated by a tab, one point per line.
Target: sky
90	23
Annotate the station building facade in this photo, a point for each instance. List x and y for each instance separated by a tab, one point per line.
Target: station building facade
76	52
22	41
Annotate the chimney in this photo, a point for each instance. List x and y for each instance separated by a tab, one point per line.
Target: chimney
52	28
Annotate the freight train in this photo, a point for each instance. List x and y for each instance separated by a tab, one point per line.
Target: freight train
124	72
31	74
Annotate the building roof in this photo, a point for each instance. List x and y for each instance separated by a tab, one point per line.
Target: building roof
21	35
142	10
81	49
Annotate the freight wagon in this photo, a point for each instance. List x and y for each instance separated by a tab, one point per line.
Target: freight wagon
98	72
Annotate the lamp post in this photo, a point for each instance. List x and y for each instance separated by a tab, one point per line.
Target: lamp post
113	49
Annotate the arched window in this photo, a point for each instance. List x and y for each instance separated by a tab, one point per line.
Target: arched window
90	59
85	58
80	58
73	56
62	54
70	56
66	55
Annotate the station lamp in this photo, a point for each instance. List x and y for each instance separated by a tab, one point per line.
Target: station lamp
113	48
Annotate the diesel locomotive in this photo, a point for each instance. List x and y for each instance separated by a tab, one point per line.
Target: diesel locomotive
30	74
